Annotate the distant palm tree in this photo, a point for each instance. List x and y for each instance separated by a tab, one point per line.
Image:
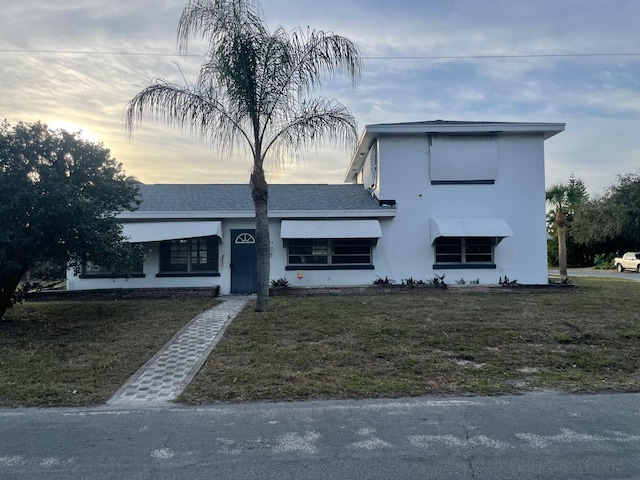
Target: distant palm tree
565	199
254	89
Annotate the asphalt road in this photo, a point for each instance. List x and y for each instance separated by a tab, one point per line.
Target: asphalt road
592	272
533	436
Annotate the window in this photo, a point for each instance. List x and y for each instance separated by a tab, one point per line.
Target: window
245	238
470	252
189	256
331	253
463	159
305	251
96	270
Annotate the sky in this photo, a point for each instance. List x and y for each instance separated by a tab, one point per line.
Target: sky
74	64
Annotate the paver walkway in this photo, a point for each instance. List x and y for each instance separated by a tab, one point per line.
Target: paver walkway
168	372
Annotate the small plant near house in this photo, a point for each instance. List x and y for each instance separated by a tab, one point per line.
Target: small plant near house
462	281
280	282
508	283
408	282
474	282
384	282
560	281
411	282
437	282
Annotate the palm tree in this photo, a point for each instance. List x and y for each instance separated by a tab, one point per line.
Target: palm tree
254	90
565	199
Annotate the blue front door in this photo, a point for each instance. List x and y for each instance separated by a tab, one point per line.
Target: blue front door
244	276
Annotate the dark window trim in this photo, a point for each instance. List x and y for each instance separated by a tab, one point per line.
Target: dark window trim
330	254
463	266
329	267
188	274
453	265
463	182
106	275
165	255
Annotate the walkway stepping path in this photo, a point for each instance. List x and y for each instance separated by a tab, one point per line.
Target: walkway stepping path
163	378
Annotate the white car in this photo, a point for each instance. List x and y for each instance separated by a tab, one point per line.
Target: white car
629	261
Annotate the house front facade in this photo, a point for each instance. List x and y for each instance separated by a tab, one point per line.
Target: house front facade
463	199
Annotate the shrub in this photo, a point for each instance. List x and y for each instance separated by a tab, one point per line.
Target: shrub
603	261
280	282
384	282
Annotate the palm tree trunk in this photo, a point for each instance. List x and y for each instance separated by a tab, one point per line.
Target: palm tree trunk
260	194
561	224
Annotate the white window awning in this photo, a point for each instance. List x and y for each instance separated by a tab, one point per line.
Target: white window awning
330	229
158	231
469	227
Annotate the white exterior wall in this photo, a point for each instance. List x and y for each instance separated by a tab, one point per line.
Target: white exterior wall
152	267
516	197
278	270
313	278
404	173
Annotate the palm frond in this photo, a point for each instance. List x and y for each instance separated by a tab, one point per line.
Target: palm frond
254	85
315	121
215	20
200	112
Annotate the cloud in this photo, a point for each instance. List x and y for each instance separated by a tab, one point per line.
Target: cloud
597	96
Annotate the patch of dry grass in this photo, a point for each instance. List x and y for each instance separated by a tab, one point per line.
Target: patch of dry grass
79	353
396	345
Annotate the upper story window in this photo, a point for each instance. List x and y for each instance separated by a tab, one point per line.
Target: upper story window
189	255
463	159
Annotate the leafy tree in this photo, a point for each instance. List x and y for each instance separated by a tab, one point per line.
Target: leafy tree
565	200
254	89
59	195
612	219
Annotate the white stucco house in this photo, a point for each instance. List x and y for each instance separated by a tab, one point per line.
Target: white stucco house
465	199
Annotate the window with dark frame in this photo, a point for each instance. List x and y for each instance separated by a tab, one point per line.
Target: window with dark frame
325	251
95	269
189	255
464	250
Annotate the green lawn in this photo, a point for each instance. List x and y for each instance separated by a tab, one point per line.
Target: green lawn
395	345
79	353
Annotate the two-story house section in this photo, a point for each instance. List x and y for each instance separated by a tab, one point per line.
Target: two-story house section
469	197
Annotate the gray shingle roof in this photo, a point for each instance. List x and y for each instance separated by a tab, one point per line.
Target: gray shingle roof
237	198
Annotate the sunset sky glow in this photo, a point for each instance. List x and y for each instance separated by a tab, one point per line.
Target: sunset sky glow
74	64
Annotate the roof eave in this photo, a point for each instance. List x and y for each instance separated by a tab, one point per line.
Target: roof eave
273	214
174	215
367	213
